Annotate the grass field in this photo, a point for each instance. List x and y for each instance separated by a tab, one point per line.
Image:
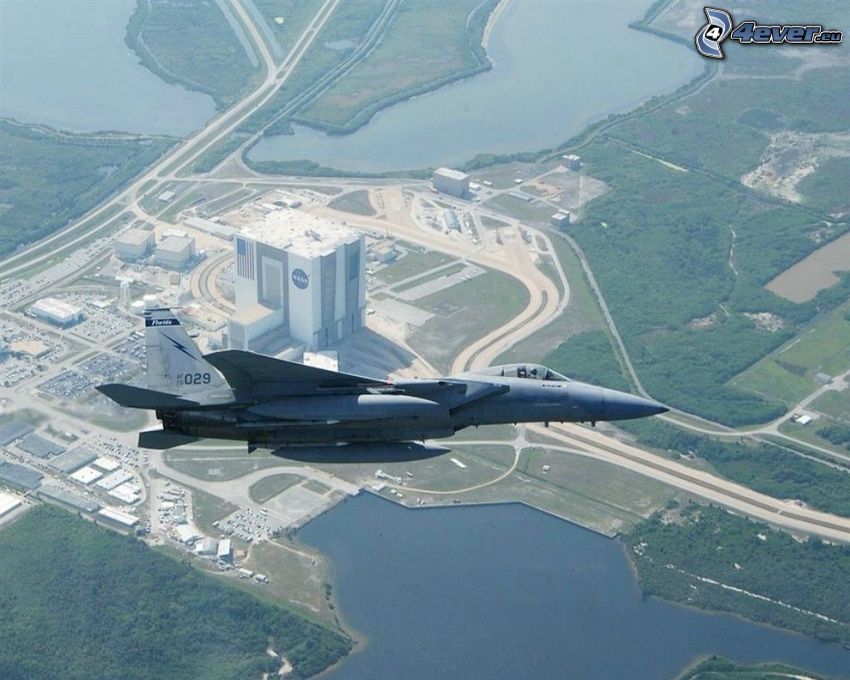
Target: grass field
532	210
356	202
789	373
400	66
207	509
271	486
835	404
287	19
413	263
430	276
297	576
466	312
220	466
48	178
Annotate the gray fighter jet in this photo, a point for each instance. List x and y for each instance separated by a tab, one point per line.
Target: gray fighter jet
272	403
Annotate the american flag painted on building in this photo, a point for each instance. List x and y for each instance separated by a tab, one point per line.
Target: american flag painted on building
245	259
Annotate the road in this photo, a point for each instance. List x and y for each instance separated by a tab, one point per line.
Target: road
188	150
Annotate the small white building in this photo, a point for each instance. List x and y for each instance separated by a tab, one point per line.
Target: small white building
560	219
225	551
208	546
186	534
571	161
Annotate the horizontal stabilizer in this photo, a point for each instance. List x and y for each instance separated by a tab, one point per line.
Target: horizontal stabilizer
139	397
162	439
248	372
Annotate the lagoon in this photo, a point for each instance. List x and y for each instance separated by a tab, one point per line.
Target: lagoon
557	67
64	63
505	591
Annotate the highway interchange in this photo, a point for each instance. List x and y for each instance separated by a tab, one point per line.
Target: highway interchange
545	300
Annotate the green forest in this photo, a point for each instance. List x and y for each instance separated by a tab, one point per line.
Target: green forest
684	319
80	601
675	546
49	178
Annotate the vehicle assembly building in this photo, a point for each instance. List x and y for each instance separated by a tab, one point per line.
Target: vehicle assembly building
300	277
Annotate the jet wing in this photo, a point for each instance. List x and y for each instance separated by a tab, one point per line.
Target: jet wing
476	391
252	374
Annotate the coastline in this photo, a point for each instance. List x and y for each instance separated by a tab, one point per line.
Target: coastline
308	167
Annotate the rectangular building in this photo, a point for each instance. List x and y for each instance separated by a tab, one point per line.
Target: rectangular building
451	182
40	446
175	252
8	502
86	475
560	219
118	517
134	244
73	459
298	275
19	476
55	311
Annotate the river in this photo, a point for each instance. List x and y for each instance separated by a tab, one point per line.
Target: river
505	591
558	66
64	63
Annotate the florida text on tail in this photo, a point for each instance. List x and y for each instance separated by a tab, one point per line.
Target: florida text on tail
239	395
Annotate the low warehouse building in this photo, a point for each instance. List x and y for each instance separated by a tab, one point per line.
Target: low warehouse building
55	311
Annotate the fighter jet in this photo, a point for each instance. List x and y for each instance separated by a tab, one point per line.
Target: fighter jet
271	403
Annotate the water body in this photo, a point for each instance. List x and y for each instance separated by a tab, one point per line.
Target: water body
557	66
508	592
64	63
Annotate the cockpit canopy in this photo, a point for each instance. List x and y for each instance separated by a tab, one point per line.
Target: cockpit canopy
528	371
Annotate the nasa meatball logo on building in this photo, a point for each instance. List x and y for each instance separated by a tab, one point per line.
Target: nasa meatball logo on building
300	278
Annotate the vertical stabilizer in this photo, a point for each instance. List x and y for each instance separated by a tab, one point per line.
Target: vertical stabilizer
174	362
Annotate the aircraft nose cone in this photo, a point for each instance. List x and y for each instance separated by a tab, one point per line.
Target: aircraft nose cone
623	406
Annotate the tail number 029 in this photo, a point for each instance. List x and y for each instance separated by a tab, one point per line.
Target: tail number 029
193	378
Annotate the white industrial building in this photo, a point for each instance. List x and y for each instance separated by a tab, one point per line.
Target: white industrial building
8	502
134	244
300	277
452	182
57	312
225	550
86	475
175	252
571	161
121	518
